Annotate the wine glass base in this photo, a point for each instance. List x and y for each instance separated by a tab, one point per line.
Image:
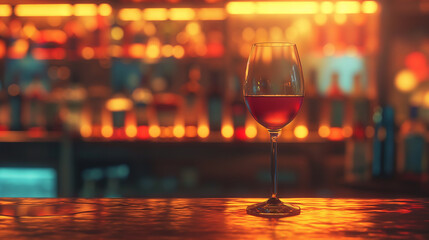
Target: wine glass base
273	208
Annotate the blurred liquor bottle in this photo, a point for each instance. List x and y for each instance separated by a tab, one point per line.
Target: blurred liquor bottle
336	99
238	109
383	160
358	148
119	105
215	101
412	159
35	95
75	96
142	97
192	97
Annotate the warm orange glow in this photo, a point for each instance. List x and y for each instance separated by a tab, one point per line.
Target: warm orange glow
53	35
193	28
13	89
129	14
88	53
5	10
251	132
203	131
191	131
241	7
211	14
340	19
327	7
329	49
324	131
227	131
154	131
179	131
167	50
369	7
320	19
305	7
152	51
336	134
104	9
53	53
107	131
136	50
119	104
85	131
131	131
149	29
347	131
182	14
2	49
29	30
85	10
116	51
300	131
19	49
117	33
166	132
178	51
405	81
155	14
42	10
347	7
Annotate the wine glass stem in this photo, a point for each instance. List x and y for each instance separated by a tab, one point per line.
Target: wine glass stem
274	134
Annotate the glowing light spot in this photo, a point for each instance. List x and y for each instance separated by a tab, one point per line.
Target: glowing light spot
300	132
154	131
115	51
251	132
85	131
405	81
107	131
88	53
336	134
193	28
117	104
85	10
293	7
179	131
417	62
117	33
324	131
104	9
152	51
178	51
227	131
203	131
347	7
327	7
369	7
340	18
155	14
320	19
167	50
347	131
43	10
149	29
178	14
131	131
241	7
129	14
211	14
5	10
191	131
136	50
29	30
13	89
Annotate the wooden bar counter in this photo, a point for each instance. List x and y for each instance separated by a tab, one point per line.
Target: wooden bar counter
200	218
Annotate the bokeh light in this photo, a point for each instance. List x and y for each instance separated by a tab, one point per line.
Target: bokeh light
405	80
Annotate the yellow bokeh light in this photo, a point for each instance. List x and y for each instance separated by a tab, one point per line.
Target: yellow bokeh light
241	7
179	131
104	9
203	131
327	7
211	14
292	7
369	7
149	29
152	51
107	131
85	131
167	50
178	51
5	10
88	53
300	131
85	10
320	19
347	7
155	14
131	131
347	131
29	30
193	28
129	14
340	19
324	131
136	50
117	33
191	131
43	10
227	131
118	104
251	131
154	131
405	81
180	14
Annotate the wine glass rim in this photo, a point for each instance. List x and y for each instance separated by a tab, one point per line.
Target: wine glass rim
274	44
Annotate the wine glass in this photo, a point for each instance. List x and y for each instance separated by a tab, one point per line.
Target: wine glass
273	92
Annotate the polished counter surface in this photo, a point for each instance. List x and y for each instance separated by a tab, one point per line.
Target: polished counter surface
199	218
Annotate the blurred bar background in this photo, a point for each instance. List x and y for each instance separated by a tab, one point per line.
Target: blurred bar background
142	98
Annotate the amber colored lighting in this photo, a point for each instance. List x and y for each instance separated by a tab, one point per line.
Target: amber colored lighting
180	14
119	104
85	131
340	19
104	9
85	10
117	33
53	35
227	131
107	131
88	53
251	132
129	14
405	81
152	51
305	7
300	131
179	131
347	131
241	7
347	7
155	14
211	14
193	28
2	49
39	10
191	131
19	48
203	131
320	19
324	131
336	134
369	7
131	131
167	50
178	51
136	50
327	7
154	131
5	10
29	30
